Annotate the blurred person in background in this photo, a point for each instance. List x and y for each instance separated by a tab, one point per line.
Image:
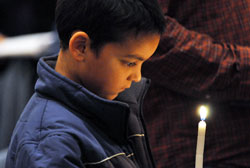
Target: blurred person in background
18	74
203	57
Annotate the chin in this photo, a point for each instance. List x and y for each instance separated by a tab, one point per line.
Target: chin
111	97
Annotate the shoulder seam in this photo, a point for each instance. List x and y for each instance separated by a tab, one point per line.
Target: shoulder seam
43	111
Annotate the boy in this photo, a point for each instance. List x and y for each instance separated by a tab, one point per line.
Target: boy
76	118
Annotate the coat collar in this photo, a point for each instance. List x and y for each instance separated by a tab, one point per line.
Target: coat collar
110	116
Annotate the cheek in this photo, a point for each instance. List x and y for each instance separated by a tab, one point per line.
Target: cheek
112	74
115	80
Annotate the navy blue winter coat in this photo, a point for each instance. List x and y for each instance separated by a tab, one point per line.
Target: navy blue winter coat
66	126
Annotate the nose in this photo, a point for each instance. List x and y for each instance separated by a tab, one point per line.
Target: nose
135	76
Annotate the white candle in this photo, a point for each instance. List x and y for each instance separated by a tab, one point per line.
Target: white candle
201	138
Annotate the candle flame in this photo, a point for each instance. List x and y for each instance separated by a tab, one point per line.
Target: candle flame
203	110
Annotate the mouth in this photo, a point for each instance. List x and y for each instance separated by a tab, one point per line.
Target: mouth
123	89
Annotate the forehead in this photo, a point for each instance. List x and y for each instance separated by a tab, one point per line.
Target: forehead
139	47
137	37
141	43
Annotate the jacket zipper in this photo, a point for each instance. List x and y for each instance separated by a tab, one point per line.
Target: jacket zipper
142	122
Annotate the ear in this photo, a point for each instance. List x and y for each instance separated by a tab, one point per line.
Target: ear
78	44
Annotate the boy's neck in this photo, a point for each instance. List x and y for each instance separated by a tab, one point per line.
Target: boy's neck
64	64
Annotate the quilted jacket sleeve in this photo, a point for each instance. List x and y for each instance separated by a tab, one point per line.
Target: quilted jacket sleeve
55	151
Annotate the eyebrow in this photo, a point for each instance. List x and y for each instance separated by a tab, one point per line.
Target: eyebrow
135	57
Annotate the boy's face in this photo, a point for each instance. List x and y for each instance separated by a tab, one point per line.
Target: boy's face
117	65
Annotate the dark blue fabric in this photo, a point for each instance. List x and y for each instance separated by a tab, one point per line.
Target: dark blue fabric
17	78
65	125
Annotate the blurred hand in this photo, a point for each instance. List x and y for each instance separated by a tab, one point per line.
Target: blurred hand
2	37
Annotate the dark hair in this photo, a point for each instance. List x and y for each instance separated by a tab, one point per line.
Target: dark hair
107	20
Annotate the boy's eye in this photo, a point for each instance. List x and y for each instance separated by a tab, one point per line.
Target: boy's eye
131	64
